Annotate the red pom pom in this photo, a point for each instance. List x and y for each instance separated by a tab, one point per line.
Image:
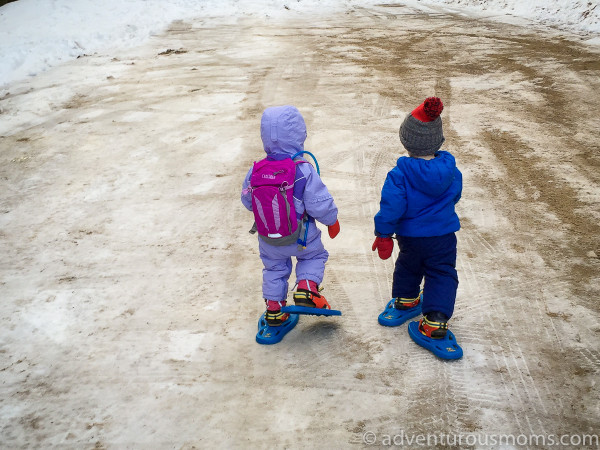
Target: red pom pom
433	107
429	110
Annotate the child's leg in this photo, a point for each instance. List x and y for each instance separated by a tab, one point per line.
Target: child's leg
310	264
408	272
310	268
276	272
441	278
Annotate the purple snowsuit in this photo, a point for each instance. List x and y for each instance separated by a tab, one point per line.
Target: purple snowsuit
283	133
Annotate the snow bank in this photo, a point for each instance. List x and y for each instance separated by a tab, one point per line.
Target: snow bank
574	15
38	34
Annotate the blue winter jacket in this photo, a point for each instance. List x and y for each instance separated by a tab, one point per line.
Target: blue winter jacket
418	198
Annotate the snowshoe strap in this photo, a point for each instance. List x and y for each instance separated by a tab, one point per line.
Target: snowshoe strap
406	303
433	329
318	300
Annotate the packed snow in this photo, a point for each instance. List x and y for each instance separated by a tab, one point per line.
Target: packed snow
131	288
38	34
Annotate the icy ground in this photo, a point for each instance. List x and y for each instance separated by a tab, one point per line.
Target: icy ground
131	289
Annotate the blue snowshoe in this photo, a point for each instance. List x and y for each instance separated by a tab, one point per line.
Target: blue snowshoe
399	310
268	335
310	303
306	310
445	347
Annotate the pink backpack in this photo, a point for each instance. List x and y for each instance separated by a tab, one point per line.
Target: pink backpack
272	188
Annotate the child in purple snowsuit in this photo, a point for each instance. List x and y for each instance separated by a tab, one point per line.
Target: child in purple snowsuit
417	206
283	133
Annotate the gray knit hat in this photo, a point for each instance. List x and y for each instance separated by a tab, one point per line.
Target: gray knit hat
421	131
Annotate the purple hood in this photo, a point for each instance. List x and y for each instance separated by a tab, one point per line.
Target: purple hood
283	133
282	130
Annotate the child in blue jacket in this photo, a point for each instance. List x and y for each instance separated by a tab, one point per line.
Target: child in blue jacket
417	206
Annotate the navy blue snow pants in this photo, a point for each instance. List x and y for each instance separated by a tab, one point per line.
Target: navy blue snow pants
432	258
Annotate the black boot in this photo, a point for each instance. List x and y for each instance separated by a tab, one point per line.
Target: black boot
434	324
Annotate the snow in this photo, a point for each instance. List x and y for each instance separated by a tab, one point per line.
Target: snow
38	34
578	15
131	289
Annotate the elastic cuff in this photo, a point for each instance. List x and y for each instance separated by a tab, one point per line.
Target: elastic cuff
273	305
308	285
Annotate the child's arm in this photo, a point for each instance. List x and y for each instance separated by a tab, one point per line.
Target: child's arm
457	198
318	202
246	196
392	205
459	178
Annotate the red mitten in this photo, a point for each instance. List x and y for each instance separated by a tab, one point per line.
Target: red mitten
333	229
384	246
